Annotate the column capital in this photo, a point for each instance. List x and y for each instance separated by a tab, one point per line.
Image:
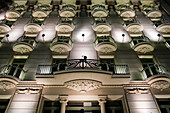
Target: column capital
102	99
63	99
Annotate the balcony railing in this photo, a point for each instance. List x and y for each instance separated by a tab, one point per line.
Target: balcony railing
138	40
13	70
155	69
75	64
104	39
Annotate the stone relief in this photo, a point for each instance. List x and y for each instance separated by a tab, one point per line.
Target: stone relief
5	85
83	85
144	50
23	50
160	85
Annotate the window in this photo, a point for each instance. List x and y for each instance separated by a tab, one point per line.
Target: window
167	43
51	107
87	107
107	64
3	105
114	106
16	67
164	105
59	64
149	66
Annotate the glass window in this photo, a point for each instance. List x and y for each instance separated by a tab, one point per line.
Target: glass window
59	64
16	67
114	106
3	105
164	105
149	66
51	107
107	64
83	107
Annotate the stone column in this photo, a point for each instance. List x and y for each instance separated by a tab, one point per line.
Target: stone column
102	101
63	101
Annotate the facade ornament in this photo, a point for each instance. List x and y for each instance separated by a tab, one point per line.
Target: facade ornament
83	85
23	50
5	85
161	85
138	91
28	90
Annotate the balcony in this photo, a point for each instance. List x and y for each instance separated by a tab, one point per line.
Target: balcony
12	70
164	29
134	29
4	29
12	15
105	44
65	27
100	26
40	14
67	11
99	11
73	65
148	4
24	45
154	69
61	45
154	15
32	30
141	44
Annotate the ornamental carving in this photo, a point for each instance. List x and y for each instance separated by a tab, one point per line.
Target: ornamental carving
23	50
4	85
83	85
144	50
160	85
60	50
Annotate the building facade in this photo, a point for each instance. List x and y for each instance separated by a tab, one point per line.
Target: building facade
85	56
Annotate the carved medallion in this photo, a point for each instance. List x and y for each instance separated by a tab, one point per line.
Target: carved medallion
160	85
83	85
5	85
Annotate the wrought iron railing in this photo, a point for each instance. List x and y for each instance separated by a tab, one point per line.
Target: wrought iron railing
13	70
90	64
139	40
155	69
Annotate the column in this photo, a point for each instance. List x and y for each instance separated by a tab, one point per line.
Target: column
63	101
102	101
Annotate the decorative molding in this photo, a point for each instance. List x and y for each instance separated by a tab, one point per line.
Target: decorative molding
28	90
144	48
22	48
83	85
138	91
161	85
5	85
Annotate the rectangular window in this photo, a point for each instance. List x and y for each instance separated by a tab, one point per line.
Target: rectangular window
107	64
3	105
164	105
51	107
16	67
114	106
59	64
149	66
167	42
83	107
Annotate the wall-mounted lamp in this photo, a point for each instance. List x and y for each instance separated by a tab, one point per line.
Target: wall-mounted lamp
7	35
159	35
43	35
83	36
123	35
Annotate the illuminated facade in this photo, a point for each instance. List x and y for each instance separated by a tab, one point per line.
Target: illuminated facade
85	56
